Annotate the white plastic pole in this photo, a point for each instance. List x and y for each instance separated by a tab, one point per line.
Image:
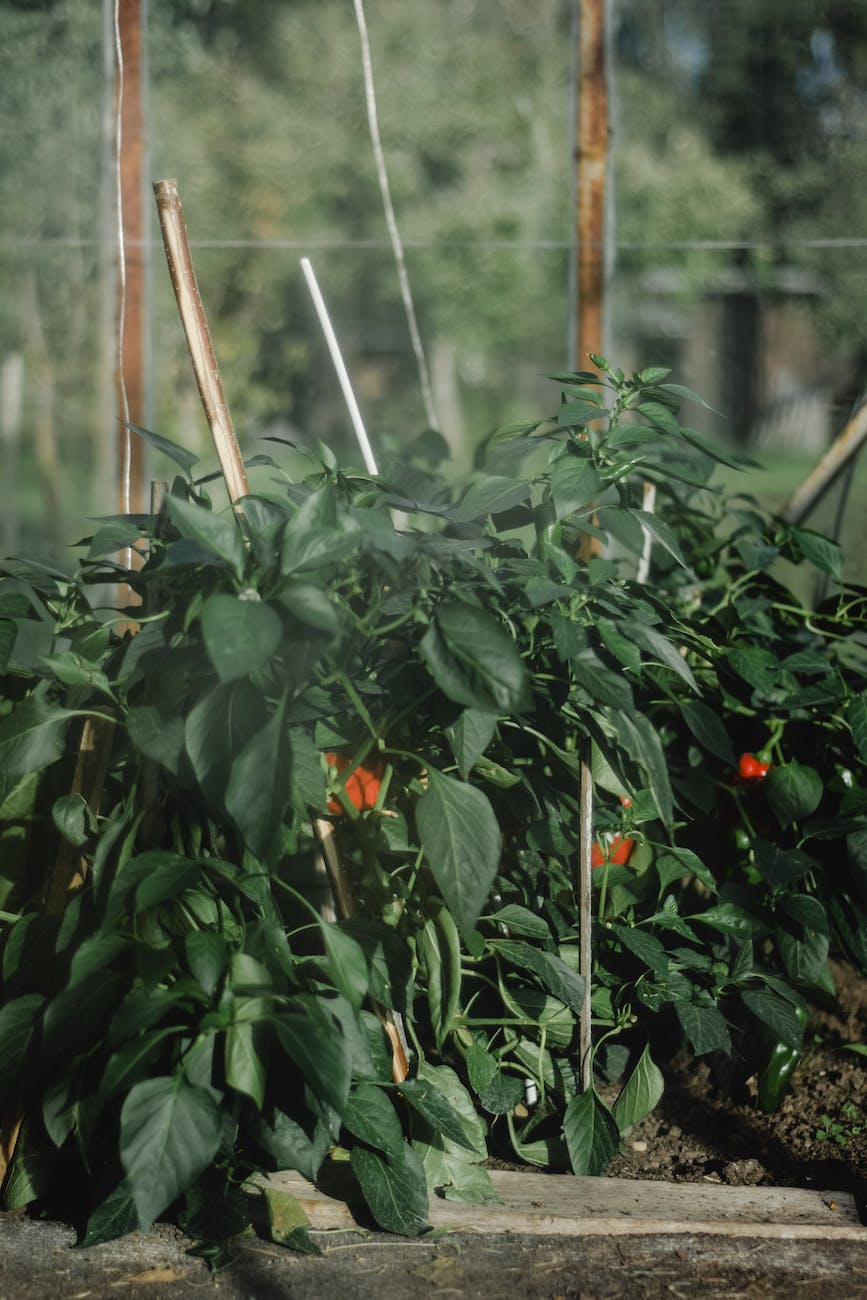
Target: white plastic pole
339	366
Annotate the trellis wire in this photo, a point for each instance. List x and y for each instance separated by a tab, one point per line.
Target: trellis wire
391	220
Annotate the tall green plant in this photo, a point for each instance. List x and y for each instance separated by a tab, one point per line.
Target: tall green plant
192	1017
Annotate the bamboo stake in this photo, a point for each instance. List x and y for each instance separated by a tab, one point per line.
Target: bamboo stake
585	911
198	337
845	446
344	898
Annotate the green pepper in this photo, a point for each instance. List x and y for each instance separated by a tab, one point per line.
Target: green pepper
775	1078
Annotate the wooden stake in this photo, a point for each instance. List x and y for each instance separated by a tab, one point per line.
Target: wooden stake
130	365
198	337
344	898
845	446
592	169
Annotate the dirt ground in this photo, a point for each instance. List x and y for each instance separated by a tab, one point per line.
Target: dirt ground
37	1261
695	1135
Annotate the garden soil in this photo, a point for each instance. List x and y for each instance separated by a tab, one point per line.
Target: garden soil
695	1135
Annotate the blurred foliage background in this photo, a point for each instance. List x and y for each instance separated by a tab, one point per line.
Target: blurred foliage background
737	224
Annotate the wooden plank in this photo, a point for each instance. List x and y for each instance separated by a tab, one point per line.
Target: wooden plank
561	1205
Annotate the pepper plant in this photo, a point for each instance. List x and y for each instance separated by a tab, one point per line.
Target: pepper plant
181	1009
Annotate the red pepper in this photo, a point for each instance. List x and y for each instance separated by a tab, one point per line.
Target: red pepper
361	786
617	850
751	768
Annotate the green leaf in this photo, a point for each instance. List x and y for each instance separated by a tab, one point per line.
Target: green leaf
245	1050
705	1027
803	957
520	920
732	919
428	1100
603	685
558	978
473	659
218	534
622	647
777	1013
33	1169
756	665
169	875
240	636
313	1041
708	729
692	863
206	952
32	736
347	963
370	1116
288	1224
857	719
114	1217
286	1142
639	738
461	842
19	1023
825	554
388	961
444	1080
306	778
180	455
469	737
498	1093
780	867
258	789
72	817
645	947
793	791
592	1139
661	533
575	484
169	1133
660	648
217	729
156	735
125	1066
442	957
395	1189
578	412
641	1093
487	496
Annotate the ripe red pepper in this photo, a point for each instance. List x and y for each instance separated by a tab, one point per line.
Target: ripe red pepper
751	768
617	850
361	786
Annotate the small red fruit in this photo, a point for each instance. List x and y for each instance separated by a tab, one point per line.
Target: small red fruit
361	786
617	850
751	768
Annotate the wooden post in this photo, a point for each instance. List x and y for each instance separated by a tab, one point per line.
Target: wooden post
592	167
198	337
592	159
129	145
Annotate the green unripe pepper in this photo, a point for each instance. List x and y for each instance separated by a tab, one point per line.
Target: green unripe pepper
775	1078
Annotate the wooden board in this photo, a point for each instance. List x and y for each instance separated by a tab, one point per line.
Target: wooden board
562	1205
